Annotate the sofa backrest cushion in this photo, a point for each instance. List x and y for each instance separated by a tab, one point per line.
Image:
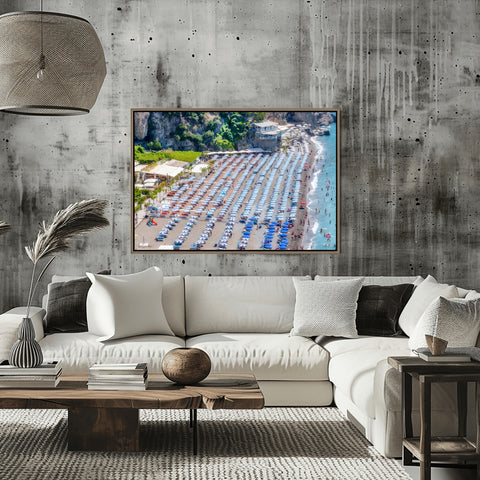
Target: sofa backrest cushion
172	299
375	280
243	304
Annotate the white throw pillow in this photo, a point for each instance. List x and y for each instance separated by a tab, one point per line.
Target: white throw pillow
326	308
120	306
472	295
455	320
421	298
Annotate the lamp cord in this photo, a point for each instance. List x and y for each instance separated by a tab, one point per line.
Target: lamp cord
42	56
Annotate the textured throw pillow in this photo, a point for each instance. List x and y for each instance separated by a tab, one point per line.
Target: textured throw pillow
67	305
379	308
472	295
326	308
120	306
421	298
455	320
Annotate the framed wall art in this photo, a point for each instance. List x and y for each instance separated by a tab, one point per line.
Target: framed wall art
233	181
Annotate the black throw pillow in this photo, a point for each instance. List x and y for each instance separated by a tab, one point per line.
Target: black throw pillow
379	308
67	306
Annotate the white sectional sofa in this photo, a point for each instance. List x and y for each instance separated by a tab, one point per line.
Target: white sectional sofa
243	323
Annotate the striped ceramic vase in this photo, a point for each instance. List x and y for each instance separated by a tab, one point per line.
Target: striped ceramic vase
26	352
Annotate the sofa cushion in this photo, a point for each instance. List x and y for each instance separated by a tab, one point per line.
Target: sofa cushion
268	356
472	295
67	305
239	304
173	300
421	298
80	350
379	308
121	306
326	308
455	320
353	362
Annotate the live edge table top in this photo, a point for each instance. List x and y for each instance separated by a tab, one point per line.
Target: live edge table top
217	391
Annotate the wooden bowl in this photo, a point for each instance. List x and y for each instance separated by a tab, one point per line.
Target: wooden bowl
437	346
186	366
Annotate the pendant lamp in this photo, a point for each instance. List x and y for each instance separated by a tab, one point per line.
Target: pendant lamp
50	64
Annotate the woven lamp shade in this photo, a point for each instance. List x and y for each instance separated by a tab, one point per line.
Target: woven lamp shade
74	64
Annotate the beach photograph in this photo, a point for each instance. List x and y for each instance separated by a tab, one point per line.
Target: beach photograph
234	180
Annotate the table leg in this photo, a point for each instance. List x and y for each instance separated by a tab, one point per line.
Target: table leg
407	415
191	418
425	428
103	429
477	415
477	412
462	408
193	413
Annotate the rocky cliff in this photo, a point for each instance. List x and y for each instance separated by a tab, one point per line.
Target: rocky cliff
140	124
185	130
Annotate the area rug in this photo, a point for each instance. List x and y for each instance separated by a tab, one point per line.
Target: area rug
268	444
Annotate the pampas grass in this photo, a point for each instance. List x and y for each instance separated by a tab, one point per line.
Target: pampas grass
77	218
4	227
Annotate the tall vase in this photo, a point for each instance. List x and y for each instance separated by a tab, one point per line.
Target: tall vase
26	352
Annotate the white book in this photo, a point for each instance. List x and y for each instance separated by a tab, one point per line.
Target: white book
119	379
48	368
118	369
116	387
117	366
444	358
27	378
30	384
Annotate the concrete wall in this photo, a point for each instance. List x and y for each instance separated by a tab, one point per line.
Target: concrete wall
405	75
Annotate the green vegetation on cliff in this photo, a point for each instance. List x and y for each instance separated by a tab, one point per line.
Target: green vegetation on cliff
149	157
155	145
234	129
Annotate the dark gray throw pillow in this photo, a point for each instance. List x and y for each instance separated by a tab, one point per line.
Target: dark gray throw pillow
379	308
67	306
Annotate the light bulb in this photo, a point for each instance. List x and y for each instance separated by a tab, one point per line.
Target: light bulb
41	72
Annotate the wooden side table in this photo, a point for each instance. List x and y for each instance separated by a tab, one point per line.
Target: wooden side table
428	449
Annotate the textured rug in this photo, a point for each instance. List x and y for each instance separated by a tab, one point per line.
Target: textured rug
273	443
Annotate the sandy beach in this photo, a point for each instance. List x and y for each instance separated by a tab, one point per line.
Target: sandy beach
258	188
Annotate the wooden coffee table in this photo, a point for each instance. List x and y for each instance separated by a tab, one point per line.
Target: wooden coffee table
109	420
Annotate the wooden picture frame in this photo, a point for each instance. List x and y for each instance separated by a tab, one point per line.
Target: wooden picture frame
218	180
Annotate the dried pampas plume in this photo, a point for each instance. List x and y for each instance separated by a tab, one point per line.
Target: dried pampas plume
77	218
80	217
4	227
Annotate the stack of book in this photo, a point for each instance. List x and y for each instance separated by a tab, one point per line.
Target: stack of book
118	376
46	375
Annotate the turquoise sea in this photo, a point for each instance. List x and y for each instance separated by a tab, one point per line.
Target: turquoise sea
322	196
